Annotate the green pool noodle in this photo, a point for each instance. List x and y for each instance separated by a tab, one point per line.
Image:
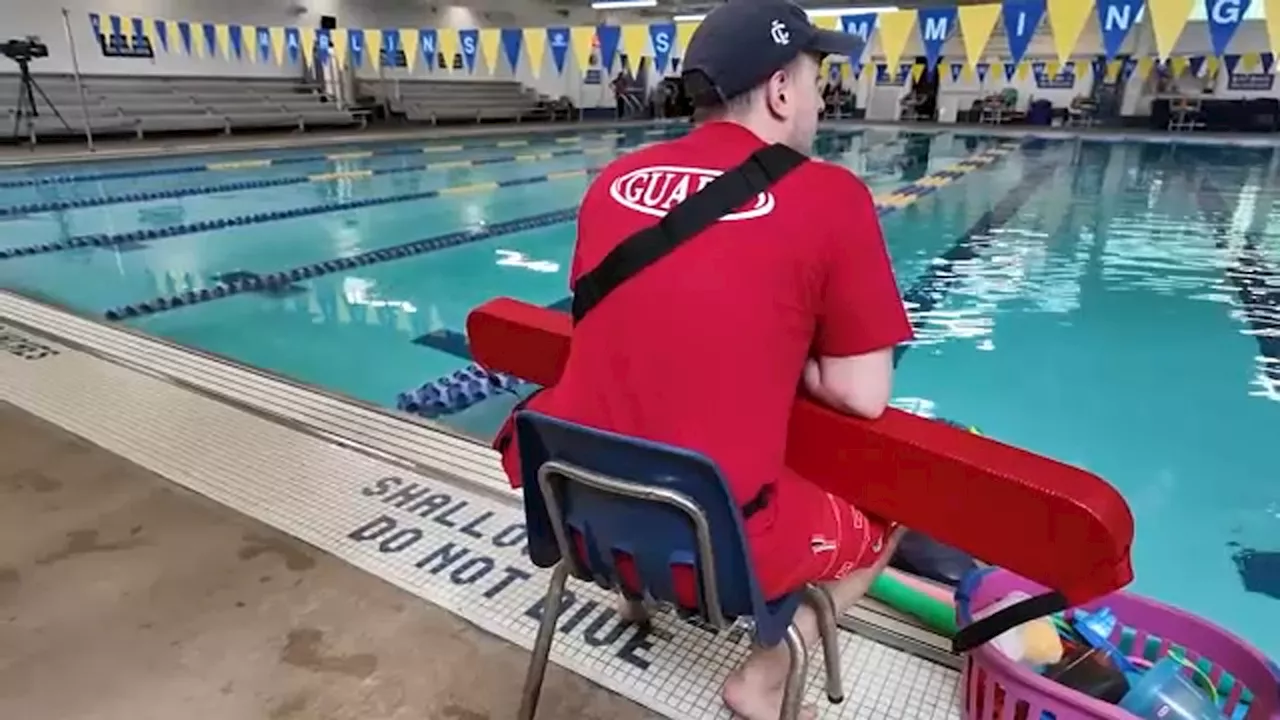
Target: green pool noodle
936	615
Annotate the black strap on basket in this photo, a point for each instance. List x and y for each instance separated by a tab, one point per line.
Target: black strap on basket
980	632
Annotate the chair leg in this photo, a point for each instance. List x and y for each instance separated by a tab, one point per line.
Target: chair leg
820	600
542	647
793	691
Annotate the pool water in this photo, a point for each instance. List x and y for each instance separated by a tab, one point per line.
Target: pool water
1113	305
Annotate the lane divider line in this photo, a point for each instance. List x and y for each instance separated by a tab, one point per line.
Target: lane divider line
284	278
394	150
171	193
134	236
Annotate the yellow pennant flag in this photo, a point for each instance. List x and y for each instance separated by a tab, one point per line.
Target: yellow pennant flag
1143	68
1023	70
175	38
1249	61
1211	66
222	32
1113	70
916	71
977	22
1051	68
339	45
307	36
1272	8
1178	65
635	43
490	40
581	38
535	43
684	31
447	44
1067	19
895	30
1168	18
827	22
409	41
373	47
276	36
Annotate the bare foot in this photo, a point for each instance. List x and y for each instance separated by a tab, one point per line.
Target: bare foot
757	701
633	611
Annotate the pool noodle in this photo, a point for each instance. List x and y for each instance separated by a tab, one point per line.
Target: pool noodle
928	603
1057	525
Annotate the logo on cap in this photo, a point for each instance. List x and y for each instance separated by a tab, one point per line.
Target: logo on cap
779	32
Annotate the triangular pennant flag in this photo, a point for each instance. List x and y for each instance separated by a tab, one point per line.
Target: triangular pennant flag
429	48
1067	19
957	68
904	72
210	44
862	25
1010	71
558	41
490	44
1168	18
1114	69
447	45
1196	64
469	42
1272	15
1038	68
1211	65
581	38
610	37
663	36
512	40
140	30
1224	17
356	47
535	40
1116	18
375	45
175	39
936	26
222	32
857	70
1248	62
235	41
977	22
324	46
684	31
1231	62
262	42
635	44
339	45
1143	68
162	33
409	39
307	41
982	69
184	36
916	71
280	40
1024	69
895	30
1177	66
1267	61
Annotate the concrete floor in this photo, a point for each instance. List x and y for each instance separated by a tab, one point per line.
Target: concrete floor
124	596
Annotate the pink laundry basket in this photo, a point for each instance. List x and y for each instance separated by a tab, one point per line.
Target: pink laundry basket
997	688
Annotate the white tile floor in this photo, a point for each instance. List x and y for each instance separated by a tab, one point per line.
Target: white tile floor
451	545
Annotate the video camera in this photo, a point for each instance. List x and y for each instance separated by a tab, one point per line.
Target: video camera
24	49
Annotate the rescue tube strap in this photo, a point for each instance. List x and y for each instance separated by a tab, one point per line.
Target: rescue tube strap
980	632
733	189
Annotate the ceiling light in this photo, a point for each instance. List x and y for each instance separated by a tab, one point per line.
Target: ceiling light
622	4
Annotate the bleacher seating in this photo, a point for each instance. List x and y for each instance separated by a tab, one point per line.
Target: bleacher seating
142	105
437	101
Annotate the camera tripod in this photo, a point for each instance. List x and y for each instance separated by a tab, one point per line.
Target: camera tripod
26	109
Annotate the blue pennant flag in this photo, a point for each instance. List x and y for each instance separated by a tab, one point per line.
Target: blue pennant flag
1020	20
1010	69
427	47
609	37
184	34
469	41
1224	18
324	41
1268	61
293	45
558	41
138	31
236	38
904	72
956	70
1127	70
162	34
982	70
1231	62
860	24
95	22
390	47
210	39
512	40
857	71
264	44
1038	67
662	35
936	25
116	28
355	47
1116	18
1195	64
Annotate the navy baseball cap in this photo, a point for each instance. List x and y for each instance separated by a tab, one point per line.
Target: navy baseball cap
742	42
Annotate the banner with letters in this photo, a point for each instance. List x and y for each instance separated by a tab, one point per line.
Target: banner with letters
596	50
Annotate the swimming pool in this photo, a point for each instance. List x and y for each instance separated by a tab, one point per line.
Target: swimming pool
1050	282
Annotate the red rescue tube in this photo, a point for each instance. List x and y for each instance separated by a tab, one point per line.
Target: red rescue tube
1047	521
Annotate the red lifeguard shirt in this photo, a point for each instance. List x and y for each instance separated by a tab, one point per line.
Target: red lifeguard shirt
705	349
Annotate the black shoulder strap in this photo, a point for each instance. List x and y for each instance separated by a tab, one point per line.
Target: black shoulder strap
721	196
988	628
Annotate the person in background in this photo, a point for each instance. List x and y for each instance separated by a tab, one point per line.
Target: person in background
707	348
620	87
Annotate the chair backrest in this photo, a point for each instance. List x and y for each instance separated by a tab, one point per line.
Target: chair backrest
616	497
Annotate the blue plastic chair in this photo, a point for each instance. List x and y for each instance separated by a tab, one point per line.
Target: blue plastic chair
661	506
